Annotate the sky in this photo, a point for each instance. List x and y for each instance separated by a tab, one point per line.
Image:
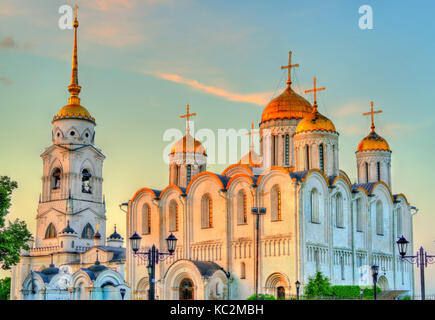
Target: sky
141	62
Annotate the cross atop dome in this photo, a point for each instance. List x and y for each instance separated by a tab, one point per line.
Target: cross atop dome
314	91
289	67
251	134
188	115
372	113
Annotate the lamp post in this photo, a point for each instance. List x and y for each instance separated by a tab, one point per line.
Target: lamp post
375	272
154	256
421	259
258	211
361	293
298	285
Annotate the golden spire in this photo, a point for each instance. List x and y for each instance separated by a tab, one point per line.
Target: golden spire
188	115
74	88
372	113
314	91
289	67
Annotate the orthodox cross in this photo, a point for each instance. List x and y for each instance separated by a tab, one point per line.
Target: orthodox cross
289	67
188	115
251	134
372	113
314	91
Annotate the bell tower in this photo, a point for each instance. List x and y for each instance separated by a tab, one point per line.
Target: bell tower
71	196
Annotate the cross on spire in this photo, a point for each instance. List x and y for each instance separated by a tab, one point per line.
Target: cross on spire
314	91
188	115
289	67
251	134
372	113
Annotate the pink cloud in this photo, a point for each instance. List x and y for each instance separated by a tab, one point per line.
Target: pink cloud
260	98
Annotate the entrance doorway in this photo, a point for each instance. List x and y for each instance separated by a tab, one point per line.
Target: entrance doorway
186	291
280	293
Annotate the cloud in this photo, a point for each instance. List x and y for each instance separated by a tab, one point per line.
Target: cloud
260	98
5	81
113	35
8	43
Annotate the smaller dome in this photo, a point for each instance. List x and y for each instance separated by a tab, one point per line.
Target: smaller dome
97	235
73	111
373	142
315	122
115	235
188	144
50	270
251	159
68	229
97	267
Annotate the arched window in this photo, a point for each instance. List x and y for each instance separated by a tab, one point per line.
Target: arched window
399	222
321	158
287	149
307	157
242	270
88	232
275	203
146	219
86	181
188	174
206	211
359	215
366	165
314	203
242	210
339	216
55	179
173	216
378	171
50	232
379	218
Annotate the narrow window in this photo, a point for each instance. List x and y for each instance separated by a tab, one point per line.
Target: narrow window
339	216
287	149
275	203
206	211
88	232
359	220
314	203
367	172
342	267
307	157
242	215
242	271
146	219
321	158
379	219
173	216
399	222
317	260
188	174
378	170
56	177
86	181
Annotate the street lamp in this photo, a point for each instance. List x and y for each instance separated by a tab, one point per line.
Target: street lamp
298	285
153	256
122	292
421	259
258	211
361	293
375	272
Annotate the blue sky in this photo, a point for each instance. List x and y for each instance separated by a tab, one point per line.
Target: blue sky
141	62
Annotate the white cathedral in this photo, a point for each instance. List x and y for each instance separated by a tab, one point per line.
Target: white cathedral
315	218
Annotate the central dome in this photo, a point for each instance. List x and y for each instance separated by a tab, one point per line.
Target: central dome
74	111
288	105
188	144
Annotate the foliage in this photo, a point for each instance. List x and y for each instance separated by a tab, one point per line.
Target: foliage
406	298
261	297
346	292
5	288
368	293
15	236
318	286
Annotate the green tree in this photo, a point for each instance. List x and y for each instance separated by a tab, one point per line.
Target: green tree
5	288
15	236
318	286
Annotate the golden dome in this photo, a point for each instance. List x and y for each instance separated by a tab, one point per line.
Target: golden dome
251	159
188	144
288	105
73	111
373	142
315	122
